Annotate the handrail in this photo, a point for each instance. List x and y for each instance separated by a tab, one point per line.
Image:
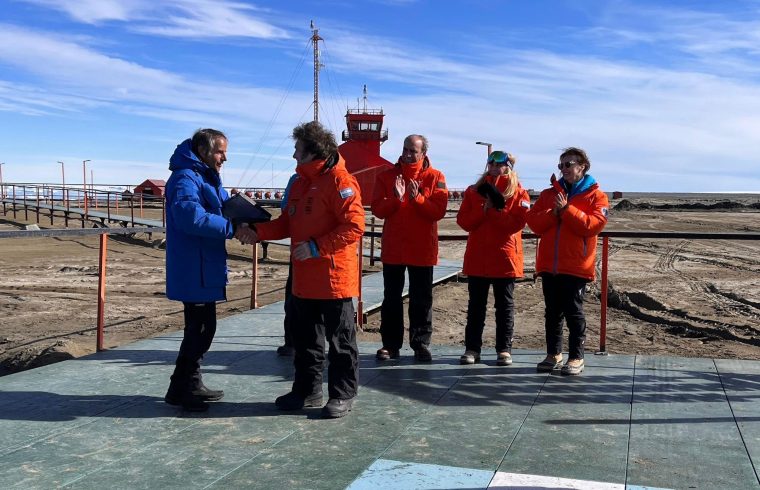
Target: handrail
103	233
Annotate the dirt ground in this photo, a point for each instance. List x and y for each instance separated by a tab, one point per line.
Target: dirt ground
682	297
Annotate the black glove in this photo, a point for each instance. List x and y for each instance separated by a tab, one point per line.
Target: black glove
489	191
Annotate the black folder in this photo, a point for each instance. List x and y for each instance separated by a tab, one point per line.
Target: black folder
242	209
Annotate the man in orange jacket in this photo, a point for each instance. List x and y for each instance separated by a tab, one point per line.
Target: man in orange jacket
411	198
324	219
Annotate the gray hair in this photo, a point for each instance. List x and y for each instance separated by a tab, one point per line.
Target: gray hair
205	140
420	137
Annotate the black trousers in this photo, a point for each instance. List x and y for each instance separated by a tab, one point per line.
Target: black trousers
563	297
503	293
200	327
420	306
313	321
288	307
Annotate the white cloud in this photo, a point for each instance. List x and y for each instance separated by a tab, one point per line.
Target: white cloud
67	67
94	11
647	126
193	19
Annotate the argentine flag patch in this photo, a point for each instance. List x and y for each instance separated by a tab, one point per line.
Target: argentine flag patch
347	192
525	204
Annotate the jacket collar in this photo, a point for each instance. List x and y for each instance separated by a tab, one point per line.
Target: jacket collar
581	186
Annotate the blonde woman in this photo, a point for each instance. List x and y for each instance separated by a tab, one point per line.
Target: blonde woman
493	212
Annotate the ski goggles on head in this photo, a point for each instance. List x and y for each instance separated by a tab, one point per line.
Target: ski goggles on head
499	158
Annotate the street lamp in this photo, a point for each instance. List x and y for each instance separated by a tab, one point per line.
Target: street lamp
84	183
2	187
488	146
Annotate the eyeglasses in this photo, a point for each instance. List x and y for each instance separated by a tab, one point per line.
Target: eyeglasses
499	158
567	164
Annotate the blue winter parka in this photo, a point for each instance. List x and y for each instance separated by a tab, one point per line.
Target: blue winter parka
196	257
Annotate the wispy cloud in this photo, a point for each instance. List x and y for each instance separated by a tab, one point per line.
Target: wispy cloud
174	18
636	118
71	68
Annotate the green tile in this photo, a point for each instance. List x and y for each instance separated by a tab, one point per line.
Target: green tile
682	428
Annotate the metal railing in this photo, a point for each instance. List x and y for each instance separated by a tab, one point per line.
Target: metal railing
78	203
103	252
603	261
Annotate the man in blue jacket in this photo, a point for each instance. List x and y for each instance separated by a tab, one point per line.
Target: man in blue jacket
196	257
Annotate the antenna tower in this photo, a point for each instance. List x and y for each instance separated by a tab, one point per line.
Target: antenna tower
317	65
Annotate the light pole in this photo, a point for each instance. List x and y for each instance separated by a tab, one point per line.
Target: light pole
84	183
2	187
488	145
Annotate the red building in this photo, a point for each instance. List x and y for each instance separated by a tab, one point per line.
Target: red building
151	188
361	149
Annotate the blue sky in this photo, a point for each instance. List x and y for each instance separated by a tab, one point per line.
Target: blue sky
664	96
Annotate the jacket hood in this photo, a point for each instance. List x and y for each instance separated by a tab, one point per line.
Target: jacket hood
315	168
184	158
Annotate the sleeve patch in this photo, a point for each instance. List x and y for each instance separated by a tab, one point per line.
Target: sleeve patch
525	204
605	211
346	192
440	185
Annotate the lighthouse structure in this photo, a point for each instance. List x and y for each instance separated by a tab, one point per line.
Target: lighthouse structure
362	138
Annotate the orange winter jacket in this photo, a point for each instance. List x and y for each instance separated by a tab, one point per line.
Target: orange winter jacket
410	229
494	247
324	205
568	242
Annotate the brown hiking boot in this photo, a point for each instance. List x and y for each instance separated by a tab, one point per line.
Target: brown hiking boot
504	359
550	363
573	367
386	354
469	357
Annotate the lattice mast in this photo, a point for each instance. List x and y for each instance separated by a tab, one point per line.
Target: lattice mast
317	65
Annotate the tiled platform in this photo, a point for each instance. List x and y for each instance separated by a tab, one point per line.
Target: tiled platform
627	422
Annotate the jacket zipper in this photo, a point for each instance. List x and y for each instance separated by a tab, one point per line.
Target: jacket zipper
556	249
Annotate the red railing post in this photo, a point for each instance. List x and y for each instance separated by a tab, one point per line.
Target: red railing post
359	302
372	242
102	290
603	314
254	278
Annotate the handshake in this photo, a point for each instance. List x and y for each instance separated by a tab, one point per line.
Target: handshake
302	251
246	234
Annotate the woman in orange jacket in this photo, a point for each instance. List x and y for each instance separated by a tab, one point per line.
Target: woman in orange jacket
493	212
568	216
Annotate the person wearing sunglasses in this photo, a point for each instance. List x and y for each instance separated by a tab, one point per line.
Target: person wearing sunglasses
493	212
568	217
411	198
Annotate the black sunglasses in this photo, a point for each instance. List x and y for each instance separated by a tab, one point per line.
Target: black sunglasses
567	164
